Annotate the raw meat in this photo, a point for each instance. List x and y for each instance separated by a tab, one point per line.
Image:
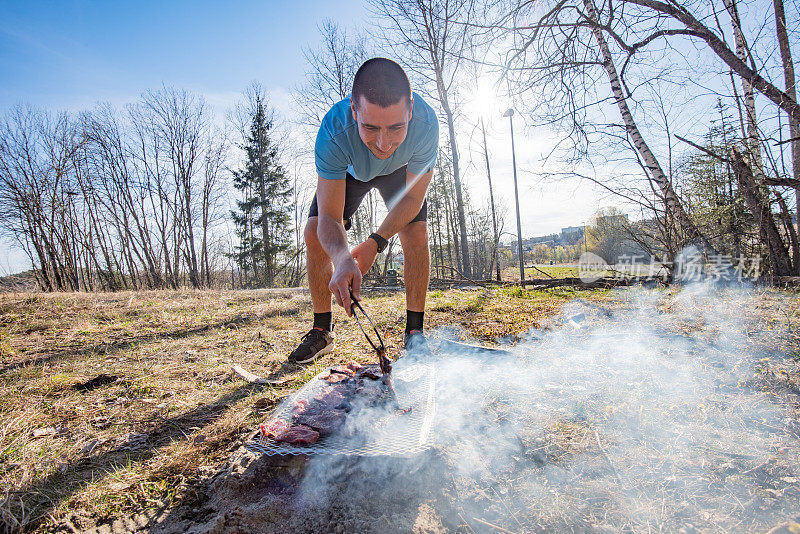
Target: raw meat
335	378
369	372
326	412
298	435
279	430
333	396
354	366
274	428
326	422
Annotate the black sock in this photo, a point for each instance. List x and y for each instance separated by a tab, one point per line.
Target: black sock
323	321
414	320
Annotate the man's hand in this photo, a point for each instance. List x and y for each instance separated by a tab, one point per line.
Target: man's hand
346	276
365	254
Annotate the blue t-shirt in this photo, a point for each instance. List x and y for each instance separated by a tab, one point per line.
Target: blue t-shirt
339	149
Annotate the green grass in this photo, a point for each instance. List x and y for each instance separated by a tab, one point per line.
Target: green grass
516	292
542	271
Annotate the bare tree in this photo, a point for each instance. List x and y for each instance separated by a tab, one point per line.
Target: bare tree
434	38
36	208
753	142
753	192
693	27
331	69
214	169
103	200
556	66
180	122
652	165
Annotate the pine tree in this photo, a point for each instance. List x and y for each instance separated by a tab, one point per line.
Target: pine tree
263	218
711	191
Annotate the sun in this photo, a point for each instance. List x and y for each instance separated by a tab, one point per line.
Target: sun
483	100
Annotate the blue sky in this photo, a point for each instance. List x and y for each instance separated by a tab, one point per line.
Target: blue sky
70	54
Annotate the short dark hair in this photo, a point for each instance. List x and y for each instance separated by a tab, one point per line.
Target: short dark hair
381	81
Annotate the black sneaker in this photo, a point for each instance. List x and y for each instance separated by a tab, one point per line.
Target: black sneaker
417	344
317	342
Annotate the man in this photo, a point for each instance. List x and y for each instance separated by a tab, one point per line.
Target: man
385	137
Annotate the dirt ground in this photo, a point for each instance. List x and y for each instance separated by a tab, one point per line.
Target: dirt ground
120	412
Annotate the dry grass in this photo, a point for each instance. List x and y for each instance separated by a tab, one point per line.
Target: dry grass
176	410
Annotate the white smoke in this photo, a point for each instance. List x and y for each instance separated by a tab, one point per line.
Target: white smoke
650	417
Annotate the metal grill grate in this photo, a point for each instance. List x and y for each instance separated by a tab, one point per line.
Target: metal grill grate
389	434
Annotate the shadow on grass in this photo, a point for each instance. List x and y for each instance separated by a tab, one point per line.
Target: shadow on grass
42	496
116	346
286	368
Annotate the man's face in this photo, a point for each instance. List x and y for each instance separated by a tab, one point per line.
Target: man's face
382	129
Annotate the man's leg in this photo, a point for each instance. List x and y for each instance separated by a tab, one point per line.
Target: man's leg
320	269
417	264
319	340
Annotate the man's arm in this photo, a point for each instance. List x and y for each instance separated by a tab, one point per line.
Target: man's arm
407	206
400	214
333	238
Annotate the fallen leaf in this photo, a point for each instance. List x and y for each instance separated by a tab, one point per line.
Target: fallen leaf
42	432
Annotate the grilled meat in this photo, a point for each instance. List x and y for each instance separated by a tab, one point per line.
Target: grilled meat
280	431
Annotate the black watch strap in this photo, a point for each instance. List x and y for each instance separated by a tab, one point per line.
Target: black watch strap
382	243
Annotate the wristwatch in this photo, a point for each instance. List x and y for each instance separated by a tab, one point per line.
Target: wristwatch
382	243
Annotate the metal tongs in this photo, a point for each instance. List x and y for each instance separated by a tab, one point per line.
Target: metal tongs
380	347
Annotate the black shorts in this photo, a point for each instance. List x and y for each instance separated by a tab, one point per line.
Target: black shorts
388	186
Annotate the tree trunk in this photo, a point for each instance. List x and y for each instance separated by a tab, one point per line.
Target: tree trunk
452	234
794	124
495	236
788	228
191	258
265	237
770	235
462	220
753	142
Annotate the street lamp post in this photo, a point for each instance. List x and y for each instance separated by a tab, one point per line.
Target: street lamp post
584	237
496	253
510	114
